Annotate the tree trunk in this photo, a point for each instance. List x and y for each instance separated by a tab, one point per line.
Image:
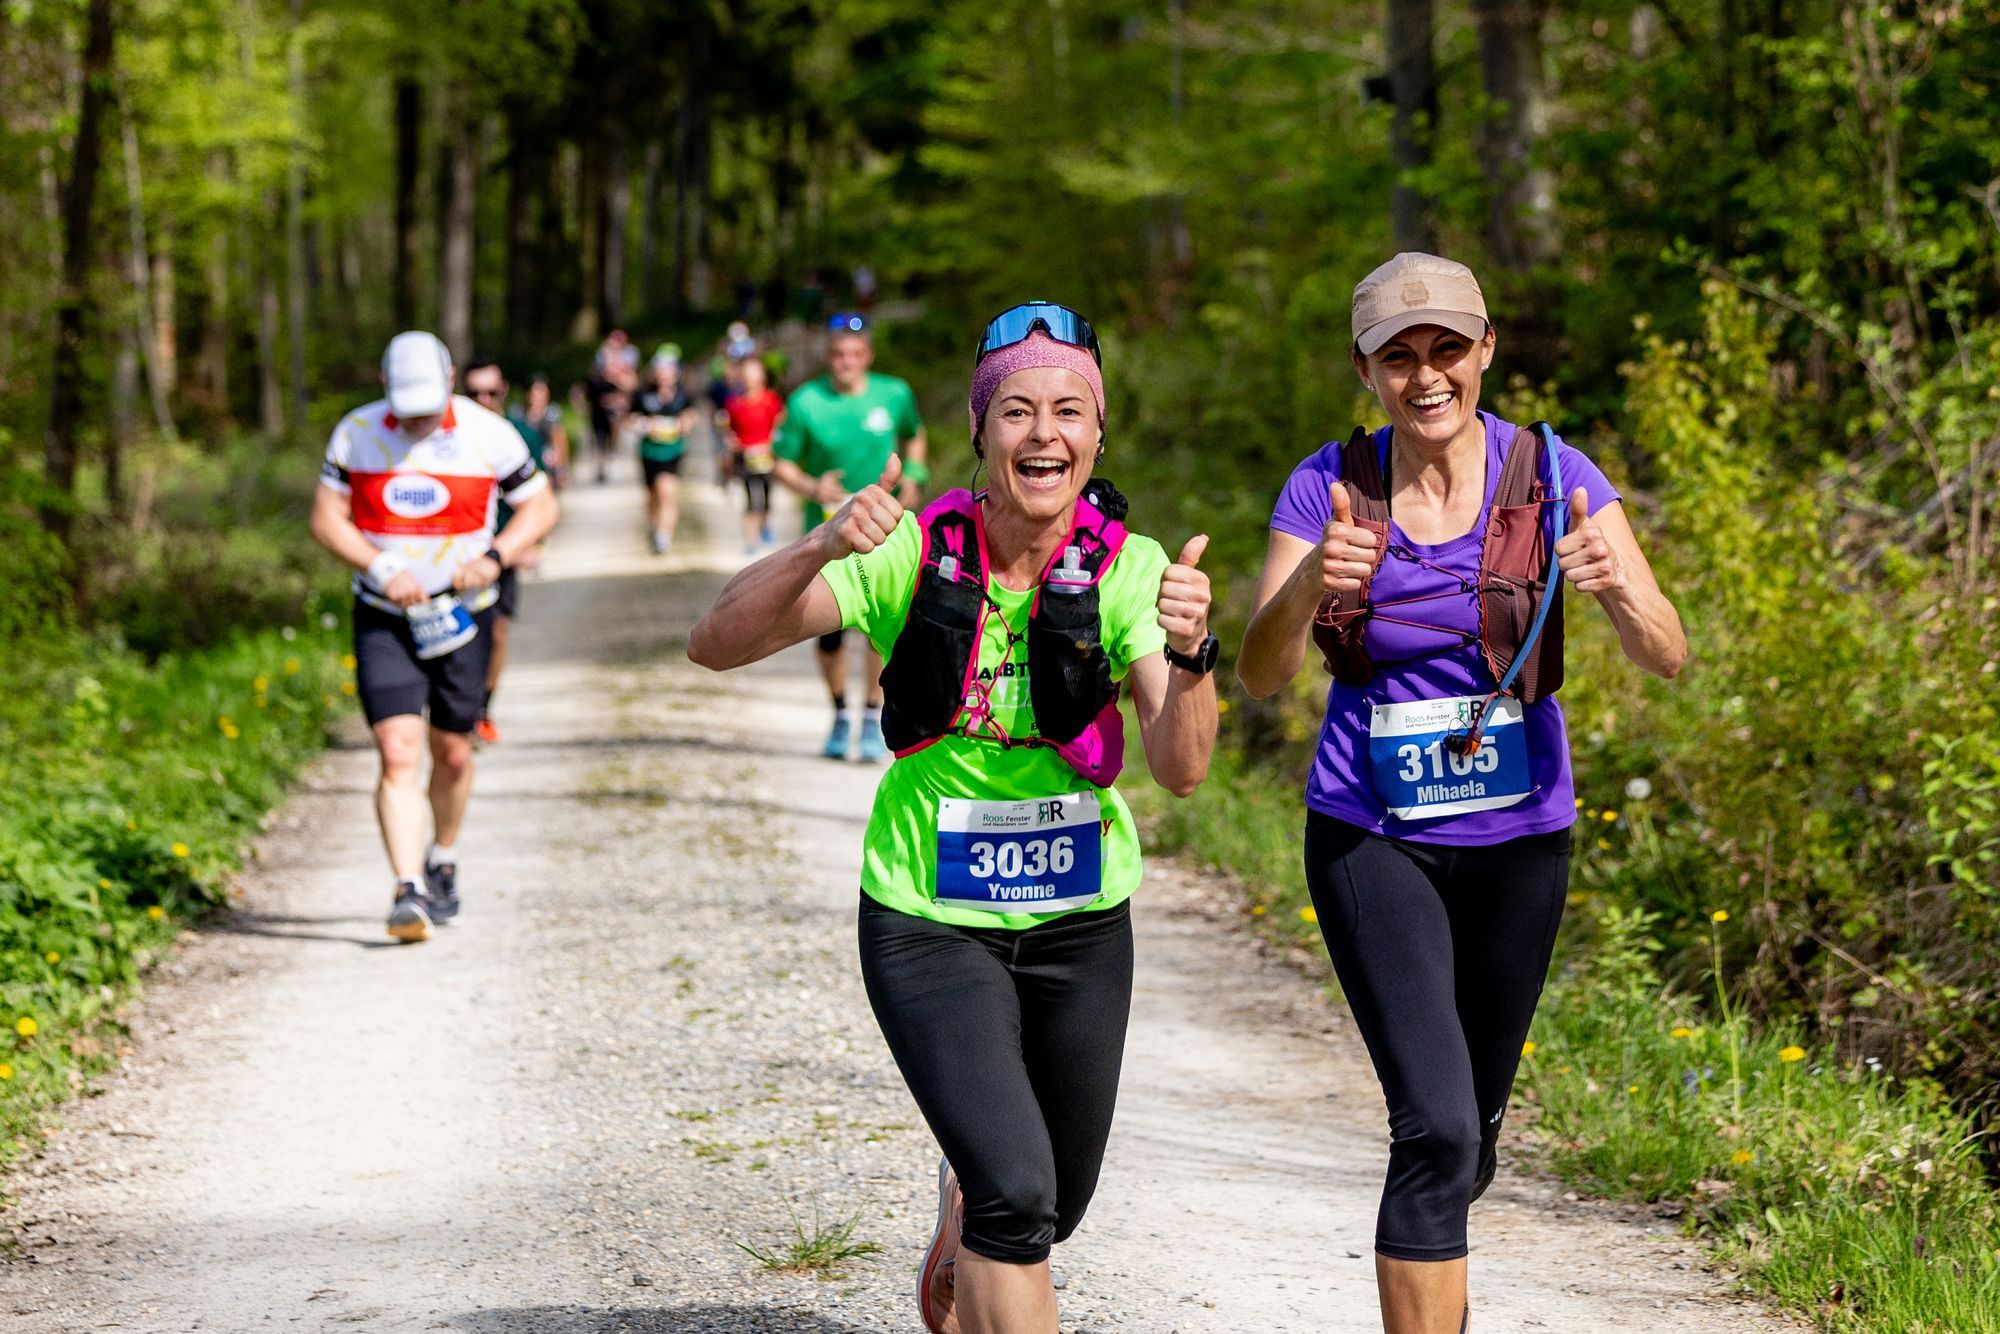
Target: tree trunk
460	214
693	155
124	417
1413	88
409	143
527	177
295	223
166	334
614	219
270	382
139	273
1521	219
653	177
213	371
75	312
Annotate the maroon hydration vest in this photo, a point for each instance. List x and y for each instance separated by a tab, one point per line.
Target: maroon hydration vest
1515	565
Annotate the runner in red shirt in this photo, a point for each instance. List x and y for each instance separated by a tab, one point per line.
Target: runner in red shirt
407	498
752	419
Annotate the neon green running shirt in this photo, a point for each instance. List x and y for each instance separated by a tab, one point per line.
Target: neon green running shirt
852	434
899	855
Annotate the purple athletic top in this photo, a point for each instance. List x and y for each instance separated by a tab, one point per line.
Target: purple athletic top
1437	659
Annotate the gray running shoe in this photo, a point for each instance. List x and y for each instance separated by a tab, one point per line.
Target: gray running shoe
441	888
410	914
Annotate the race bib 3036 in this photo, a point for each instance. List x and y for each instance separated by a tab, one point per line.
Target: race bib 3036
1039	856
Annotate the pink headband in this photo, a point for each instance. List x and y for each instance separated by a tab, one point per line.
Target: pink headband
1035	352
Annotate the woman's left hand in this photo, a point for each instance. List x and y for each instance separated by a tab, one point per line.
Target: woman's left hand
1184	599
1584	555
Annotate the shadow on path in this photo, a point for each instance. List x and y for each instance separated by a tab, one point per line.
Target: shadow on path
720	1319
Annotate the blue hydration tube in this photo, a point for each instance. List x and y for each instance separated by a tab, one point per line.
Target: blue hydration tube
1553	588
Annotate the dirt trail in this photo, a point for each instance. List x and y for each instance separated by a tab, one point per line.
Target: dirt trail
647	1042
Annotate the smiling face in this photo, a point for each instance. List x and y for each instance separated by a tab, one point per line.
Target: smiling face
1040	434
1428	380
848	357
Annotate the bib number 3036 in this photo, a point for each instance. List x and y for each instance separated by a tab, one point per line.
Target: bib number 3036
1039	856
1420	776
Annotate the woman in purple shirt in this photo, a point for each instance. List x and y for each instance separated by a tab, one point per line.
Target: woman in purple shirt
1438	869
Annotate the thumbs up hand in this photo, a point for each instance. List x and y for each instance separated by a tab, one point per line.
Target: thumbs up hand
865	521
1584	556
1346	550
1185	598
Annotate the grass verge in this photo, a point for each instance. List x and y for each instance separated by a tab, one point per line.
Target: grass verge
1852	1198
133	791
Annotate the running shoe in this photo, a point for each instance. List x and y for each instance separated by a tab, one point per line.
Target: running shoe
410	914
485	730
873	749
836	740
943	1252
662	544
441	888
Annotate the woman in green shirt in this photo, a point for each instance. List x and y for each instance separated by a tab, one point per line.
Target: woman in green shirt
996	943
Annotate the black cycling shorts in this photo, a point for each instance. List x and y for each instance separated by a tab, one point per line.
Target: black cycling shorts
1441	952
392	680
757	492
509	590
831	642
652	468
1011	1042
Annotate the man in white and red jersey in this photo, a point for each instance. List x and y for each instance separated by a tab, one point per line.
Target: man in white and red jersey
407	497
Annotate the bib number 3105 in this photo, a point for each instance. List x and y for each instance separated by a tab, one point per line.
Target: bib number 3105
1418	773
1035	856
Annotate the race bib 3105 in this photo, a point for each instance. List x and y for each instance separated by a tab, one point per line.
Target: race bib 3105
1417	774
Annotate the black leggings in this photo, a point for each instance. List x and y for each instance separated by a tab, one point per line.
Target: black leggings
757	492
1442	952
1011	1043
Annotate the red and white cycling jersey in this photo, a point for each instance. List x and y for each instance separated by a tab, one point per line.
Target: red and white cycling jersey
431	500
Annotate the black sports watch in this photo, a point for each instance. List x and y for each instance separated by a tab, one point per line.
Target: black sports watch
493	554
1202	661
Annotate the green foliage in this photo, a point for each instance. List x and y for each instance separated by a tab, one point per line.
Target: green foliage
133	790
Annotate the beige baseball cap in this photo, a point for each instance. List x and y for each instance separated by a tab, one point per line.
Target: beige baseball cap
1412	289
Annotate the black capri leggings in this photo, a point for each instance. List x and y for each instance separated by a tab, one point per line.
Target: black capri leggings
1442	952
757	492
1011	1043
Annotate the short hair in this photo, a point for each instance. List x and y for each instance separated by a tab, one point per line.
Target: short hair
480	364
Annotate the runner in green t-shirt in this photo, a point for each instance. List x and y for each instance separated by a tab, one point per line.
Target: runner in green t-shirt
995	932
839	432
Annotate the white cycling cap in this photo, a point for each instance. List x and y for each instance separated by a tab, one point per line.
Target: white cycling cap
416	370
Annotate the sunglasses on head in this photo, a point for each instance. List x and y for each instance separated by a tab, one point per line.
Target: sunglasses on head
1019	323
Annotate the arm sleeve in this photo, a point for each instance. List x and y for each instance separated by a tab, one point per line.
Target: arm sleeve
513	466
339	452
1129	602
1304	506
873	591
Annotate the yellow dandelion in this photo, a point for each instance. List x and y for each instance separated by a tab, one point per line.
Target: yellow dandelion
1259	910
53	957
1604	845
1742	1156
180	849
347	661
1682	1032
1222	706
156	912
1611	817
292	666
1719	915
1633	1089
1790	1054
103	883
6	1070
26	1026
1590	814
1527	1049
1308	914
347	687
1579	803
261	684
131	825
230	729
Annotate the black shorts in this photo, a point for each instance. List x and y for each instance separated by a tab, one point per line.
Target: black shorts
830	643
392	680
509	588
652	468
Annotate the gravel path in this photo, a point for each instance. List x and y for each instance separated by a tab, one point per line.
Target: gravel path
647	1043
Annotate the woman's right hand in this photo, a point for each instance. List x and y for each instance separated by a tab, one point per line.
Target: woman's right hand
867	518
1346	550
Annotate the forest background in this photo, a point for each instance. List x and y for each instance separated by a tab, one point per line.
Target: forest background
1746	254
